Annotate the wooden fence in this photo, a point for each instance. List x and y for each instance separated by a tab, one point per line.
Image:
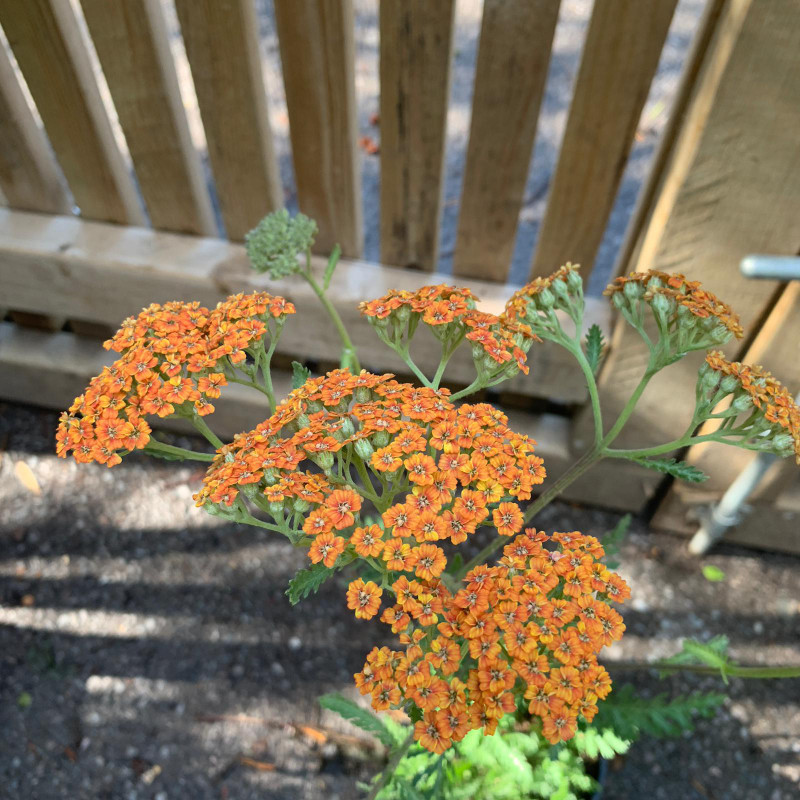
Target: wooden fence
725	182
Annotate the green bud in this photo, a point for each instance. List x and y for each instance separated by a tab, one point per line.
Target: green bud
619	300
560	288
271	476
545	299
364	449
662	305
276	508
783	444
742	403
323	460
347	428
403	314
301	506
728	384
274	245
575	282
363	395
380	439
633	290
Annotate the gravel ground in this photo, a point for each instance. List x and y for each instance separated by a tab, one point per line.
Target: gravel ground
146	648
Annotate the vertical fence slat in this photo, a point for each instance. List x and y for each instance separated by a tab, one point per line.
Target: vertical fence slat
620	57
29	176
133	47
731	187
513	55
47	43
416	48
221	39
318	54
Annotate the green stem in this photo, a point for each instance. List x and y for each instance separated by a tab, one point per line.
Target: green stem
390	768
201	426
252	385
731	670
179	452
475	386
630	405
577	351
347	344
447	353
677	444
404	354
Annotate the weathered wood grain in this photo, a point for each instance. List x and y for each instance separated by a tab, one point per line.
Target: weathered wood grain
221	39
47	44
620	57
318	55
415	56
132	45
513	55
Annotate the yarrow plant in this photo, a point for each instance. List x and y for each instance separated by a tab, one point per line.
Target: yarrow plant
389	479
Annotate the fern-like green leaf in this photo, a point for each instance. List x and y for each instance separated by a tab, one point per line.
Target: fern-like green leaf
677	469
629	716
612	541
307	581
300	374
594	347
360	717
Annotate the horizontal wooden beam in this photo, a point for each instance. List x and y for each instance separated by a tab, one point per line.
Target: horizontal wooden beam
50	369
102	273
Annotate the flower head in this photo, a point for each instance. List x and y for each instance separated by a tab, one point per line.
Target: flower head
274	245
172	358
520	624
498	343
688	317
770	417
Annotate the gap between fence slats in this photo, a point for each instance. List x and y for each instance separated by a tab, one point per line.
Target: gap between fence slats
513	55
29	176
318	56
736	175
619	60
415	58
221	41
132	44
47	43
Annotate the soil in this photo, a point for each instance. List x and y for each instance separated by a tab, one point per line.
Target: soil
147	650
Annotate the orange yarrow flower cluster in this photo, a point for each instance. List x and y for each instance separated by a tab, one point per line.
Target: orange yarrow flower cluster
532	624
541	293
770	396
171	356
676	288
451	312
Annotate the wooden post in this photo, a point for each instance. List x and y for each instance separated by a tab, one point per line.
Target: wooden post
221	39
415	56
619	59
132	45
513	55
29	176
318	55
47	43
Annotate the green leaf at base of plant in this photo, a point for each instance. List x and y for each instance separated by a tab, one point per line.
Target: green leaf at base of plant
360	717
